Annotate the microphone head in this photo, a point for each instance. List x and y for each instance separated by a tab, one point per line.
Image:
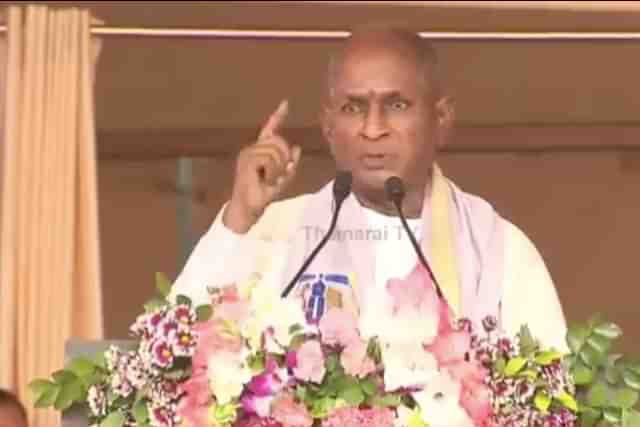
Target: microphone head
394	189
342	186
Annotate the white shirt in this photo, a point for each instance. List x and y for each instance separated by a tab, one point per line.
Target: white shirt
394	255
529	296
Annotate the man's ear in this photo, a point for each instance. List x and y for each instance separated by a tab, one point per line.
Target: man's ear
445	110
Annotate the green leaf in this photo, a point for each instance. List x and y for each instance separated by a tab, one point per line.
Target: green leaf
154	304
514	366
597	395
530	374
332	362
296	329
415	419
608	330
613	415
99	360
141	412
548	357
625	398
528	344
163	285
204	313
567	401
48	397
183	300
374	351
635	367
39	388
589	417
353	395
82	367
582	374
301	393
570	360
256	362
599	343
387	400
631	379
576	337
613	374
114	419
320	408
631	419
500	365
591	356
64	377
70	393
596	320
542	401
369	386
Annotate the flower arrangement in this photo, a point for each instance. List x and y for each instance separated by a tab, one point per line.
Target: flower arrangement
251	359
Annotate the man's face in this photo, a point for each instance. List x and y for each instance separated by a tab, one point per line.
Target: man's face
380	120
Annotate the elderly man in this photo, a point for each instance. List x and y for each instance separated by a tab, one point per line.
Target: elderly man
385	114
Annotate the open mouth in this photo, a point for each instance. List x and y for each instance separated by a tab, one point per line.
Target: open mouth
375	161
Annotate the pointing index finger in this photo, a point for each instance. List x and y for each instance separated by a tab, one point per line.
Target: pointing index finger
275	121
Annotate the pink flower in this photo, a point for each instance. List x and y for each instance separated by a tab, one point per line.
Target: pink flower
169	328
211	341
270	381
233	311
415	291
255	421
338	327
258	405
468	373
162	354
291	359
194	406
288	412
355	360
310	362
184	315
185	342
353	417
475	399
450	347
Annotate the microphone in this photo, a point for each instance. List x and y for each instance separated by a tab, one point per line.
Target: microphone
394	188
341	189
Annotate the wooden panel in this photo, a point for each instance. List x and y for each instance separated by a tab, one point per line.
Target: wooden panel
158	144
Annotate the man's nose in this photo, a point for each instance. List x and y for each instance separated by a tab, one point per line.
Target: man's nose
375	125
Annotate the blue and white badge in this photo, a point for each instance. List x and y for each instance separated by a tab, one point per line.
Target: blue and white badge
323	291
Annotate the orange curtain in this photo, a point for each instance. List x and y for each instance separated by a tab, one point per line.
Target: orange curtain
50	286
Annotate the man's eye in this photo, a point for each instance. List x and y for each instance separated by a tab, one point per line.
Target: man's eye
399	105
351	108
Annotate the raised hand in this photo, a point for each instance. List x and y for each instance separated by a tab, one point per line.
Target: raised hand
263	171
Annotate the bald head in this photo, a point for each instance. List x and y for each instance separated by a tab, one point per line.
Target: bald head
403	44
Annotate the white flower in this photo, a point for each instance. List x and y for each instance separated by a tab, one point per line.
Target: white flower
227	373
269	310
407	365
439	403
406	327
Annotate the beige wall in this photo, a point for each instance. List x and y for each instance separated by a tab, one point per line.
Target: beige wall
580	208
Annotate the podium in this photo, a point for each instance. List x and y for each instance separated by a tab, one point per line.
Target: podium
75	416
